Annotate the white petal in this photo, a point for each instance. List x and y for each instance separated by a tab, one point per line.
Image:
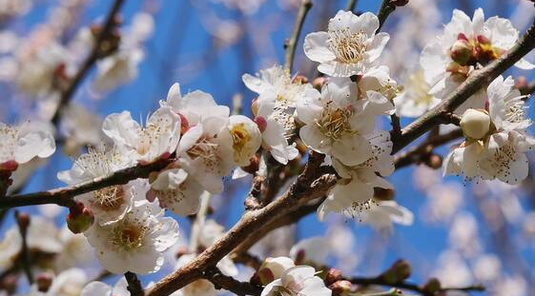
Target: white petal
316	47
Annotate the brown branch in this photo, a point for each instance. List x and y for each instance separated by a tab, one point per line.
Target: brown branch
308	186
476	80
387	7
291	43
419	152
379	281
247	259
228	283
351	5
63	196
134	285
95	54
23	222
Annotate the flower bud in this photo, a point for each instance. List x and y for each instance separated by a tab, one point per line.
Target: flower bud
475	124
184	124
341	287
44	281
261	123
461	52
432	286
333	275
9	166
434	161
398	272
80	218
273	268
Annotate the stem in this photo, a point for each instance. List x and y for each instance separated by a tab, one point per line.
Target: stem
384	11
378	281
106	31
351	5
228	283
63	196
291	44
134	285
23	223
198	225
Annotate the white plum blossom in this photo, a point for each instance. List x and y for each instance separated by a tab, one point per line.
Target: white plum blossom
273	268
354	192
467	44
415	99
108	204
377	80
501	153
246	138
176	191
20	144
159	138
193	107
299	280
349	47
10	247
135	243
205	152
200	287
275	108
117	69
337	123
312	251
102	289
69	282
382	215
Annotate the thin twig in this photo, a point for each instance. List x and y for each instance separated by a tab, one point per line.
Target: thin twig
387	7
228	283
415	154
23	221
308	186
351	5
291	44
63	196
134	285
95	54
378	281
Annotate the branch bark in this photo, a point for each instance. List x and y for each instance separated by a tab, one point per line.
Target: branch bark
134	285
106	31
291	44
64	196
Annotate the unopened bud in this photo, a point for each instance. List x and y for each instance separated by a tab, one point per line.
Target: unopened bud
80	218
398	272
333	275
254	163
261	122
432	286
23	220
319	82
383	194
434	161
274	268
300	79
44	281
341	287
181	251
475	124
461	52
9	284
9	166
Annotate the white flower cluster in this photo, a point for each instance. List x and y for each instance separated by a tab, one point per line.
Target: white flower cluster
130	232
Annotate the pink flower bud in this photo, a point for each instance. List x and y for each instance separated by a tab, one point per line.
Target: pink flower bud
80	218
261	123
461	52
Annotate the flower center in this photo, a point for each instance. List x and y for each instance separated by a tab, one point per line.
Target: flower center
128	235
206	150
240	137
516	111
109	198
348	47
334	123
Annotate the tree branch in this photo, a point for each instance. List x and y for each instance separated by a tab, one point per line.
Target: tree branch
95	54
476	80
351	5
228	283
63	196
378	281
134	285
291	43
308	186
415	154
